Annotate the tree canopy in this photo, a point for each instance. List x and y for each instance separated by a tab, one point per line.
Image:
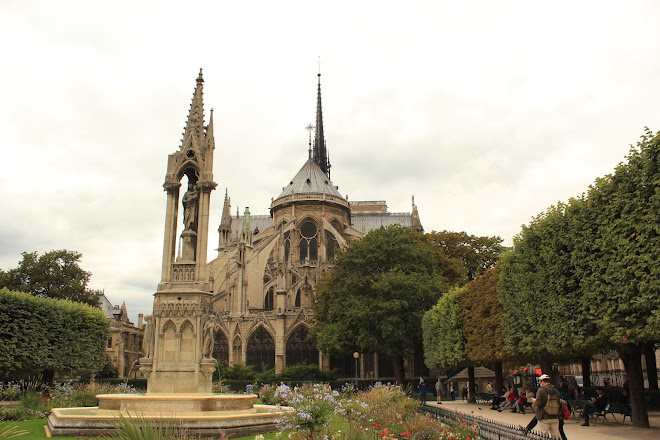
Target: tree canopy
444	344
584	277
477	254
482	318
45	335
55	274
374	298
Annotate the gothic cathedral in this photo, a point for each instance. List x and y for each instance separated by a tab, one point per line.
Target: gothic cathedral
262	281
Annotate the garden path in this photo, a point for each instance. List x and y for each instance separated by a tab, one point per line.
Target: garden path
572	428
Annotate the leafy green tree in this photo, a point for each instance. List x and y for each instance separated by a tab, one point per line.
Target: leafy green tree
620	268
482	323
45	335
583	277
442	326
540	292
55	274
374	298
477	254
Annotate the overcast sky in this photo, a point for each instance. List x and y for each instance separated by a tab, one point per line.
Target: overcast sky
486	111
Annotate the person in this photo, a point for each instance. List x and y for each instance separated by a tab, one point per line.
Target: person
547	414
489	388
497	400
625	398
249	388
597	404
510	400
579	394
465	391
532	423
519	406
452	391
422	391
438	391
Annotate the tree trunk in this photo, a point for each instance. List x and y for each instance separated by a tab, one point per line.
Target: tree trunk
499	377
546	368
471	384
397	364
651	366
48	377
586	371
631	355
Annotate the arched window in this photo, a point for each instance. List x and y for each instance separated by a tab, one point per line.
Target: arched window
287	245
330	245
308	242
261	350
300	349
221	347
269	300
297	304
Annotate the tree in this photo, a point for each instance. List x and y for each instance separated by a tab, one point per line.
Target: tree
55	274
482	323
444	344
374	298
620	268
45	335
477	254
583	277
540	292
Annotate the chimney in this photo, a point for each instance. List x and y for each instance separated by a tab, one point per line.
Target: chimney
140	319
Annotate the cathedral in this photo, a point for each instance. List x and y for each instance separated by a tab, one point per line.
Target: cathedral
263	278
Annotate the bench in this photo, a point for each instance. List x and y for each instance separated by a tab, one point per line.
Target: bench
598	414
483	397
621	409
576	407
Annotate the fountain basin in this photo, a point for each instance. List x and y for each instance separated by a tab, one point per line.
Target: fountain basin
207	415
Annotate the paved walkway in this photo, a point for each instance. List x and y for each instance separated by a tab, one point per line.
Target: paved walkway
572	428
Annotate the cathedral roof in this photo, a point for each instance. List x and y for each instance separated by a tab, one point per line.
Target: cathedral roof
310	180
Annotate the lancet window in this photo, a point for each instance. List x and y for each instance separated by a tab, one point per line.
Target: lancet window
309	248
269	300
261	350
300	349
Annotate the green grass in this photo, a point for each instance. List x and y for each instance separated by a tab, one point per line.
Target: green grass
36	431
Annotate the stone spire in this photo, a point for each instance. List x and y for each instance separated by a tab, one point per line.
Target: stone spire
246	234
320	153
416	222
208	135
194	129
225	223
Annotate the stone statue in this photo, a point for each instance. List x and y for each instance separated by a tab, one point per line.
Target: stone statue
148	341
190	204
208	335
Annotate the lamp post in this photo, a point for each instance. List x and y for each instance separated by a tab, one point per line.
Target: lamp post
356	355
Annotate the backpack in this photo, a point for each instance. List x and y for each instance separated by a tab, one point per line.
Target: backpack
551	407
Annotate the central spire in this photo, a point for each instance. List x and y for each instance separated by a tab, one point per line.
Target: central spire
320	155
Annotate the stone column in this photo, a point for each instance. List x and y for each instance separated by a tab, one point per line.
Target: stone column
171	212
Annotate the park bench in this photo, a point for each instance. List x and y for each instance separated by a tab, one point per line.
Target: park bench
483	397
598	414
621	409
576	407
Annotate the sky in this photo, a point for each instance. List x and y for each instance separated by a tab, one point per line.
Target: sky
487	112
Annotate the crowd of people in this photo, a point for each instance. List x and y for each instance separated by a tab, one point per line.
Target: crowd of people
549	404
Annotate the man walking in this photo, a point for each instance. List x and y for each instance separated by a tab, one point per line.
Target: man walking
548	407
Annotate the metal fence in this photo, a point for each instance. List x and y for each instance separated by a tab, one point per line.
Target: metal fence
488	429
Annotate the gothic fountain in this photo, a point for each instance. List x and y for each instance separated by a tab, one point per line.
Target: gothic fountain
178	340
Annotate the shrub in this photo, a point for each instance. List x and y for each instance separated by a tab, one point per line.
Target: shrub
312	407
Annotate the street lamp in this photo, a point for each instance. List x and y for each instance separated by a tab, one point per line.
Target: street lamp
356	355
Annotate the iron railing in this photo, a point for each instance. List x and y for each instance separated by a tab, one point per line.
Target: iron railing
487	429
